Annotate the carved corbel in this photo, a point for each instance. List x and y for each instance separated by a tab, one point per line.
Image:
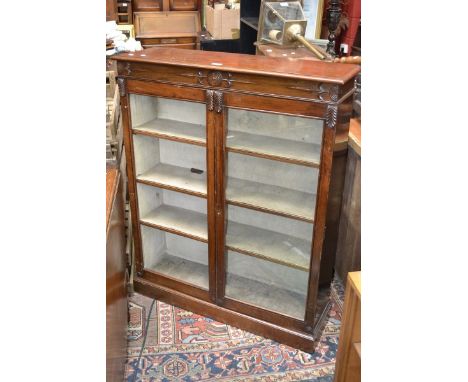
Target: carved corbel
214	100
331	116
122	86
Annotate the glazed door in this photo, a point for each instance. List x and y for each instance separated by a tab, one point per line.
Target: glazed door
270	166
169	140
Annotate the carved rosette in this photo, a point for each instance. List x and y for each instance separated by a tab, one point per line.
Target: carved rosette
216	79
323	92
331	116
122	86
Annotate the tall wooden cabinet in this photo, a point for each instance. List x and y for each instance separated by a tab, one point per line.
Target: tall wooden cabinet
229	166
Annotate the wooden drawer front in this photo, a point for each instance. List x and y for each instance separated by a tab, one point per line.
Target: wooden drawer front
168	40
147	5
183	5
166	24
259	84
179	46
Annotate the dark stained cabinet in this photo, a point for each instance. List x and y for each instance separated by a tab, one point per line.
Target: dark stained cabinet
230	161
116	281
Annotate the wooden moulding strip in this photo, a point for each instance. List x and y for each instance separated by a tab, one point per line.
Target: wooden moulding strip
289	337
169	137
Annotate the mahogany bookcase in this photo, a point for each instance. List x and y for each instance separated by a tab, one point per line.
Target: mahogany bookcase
230	162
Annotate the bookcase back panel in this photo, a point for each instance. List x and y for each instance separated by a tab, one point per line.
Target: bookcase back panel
146	108
175	256
147	153
266	285
267	272
271	172
150	198
276	125
183	155
269	222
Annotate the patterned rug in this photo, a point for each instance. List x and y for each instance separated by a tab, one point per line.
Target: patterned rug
183	347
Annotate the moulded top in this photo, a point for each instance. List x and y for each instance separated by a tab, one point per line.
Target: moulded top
244	63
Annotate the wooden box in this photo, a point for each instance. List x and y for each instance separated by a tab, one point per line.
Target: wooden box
183	5
176	29
230	167
147	5
223	24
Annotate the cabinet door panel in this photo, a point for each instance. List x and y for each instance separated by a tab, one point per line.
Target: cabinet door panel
271	167
169	140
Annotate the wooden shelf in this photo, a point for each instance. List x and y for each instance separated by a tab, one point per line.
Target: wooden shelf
251	22
253	195
174	131
272	199
283	150
249	240
182	269
265	296
179	221
269	245
175	178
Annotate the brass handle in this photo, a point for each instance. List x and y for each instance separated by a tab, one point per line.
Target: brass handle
294	32
309	46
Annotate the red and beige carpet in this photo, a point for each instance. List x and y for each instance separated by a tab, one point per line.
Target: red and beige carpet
183	347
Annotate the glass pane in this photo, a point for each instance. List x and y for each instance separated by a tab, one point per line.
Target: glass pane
272	176
169	143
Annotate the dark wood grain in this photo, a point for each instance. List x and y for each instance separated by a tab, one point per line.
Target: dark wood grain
116	288
241	63
147	5
220	124
348	253
111	10
260	84
296	339
211	125
348	357
335	192
313	90
326	160
131	174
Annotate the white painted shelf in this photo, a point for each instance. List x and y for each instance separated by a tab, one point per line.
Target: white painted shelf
269	245
180	221
307	154
183	270
244	193
173	130
175	177
266	296
253	241
280	200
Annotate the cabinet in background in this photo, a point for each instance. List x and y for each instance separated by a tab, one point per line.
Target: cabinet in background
230	162
175	29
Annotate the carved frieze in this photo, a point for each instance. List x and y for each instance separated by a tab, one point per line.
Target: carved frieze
214	78
323	92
